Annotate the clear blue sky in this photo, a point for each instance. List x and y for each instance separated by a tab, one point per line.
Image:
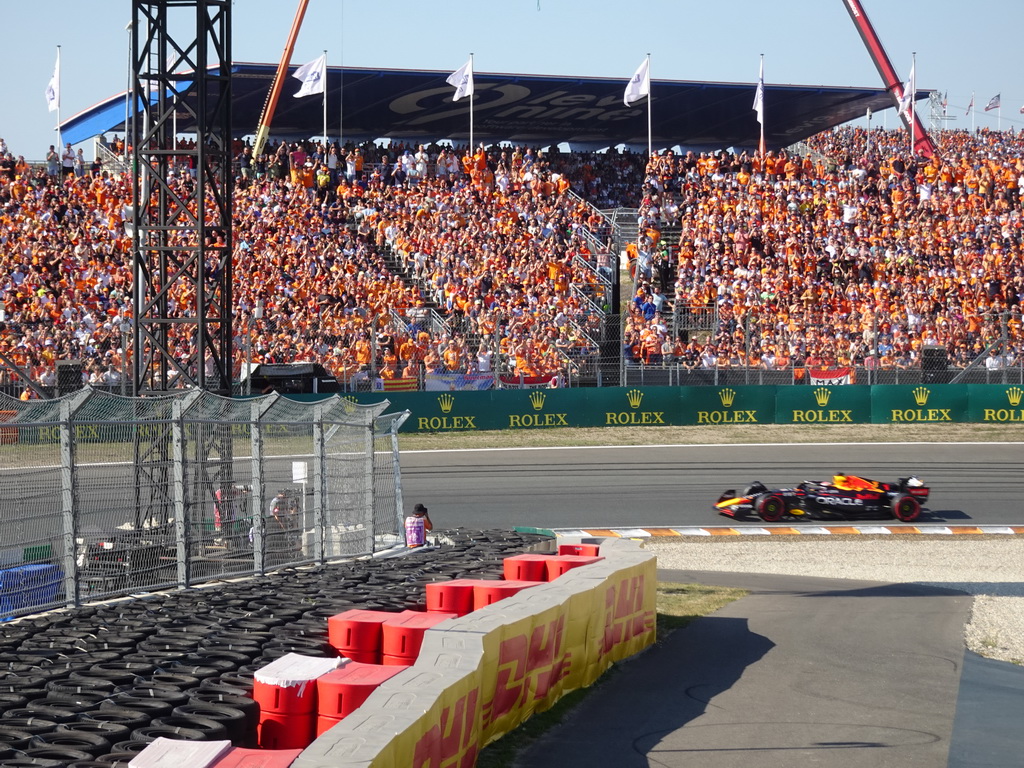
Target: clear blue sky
961	46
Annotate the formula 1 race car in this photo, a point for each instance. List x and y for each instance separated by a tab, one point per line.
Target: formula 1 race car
846	497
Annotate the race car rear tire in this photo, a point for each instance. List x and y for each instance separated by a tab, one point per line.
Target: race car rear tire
771	507
906	508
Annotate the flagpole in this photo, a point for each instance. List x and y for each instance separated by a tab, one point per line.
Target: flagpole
60	143
472	146
325	102
972	111
867	145
341	86
913	92
761	144
650	142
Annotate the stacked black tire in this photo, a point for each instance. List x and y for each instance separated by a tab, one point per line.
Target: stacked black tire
93	686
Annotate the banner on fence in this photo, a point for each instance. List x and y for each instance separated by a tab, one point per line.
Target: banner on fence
830	375
456	382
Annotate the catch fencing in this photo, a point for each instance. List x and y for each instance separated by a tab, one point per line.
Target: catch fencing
103	495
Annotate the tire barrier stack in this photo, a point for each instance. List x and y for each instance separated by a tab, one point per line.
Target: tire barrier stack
94	686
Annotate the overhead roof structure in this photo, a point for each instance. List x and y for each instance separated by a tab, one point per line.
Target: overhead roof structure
524	109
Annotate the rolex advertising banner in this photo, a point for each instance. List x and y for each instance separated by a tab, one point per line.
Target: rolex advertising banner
440	411
918	403
533	408
712	406
634	406
703	406
845	404
994	403
541	408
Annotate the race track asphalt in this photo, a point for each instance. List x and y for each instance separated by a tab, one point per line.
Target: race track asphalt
638	486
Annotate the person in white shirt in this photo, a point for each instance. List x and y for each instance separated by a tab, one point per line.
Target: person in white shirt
67	161
994	361
484	356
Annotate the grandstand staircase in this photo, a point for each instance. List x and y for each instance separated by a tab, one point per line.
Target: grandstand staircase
670	237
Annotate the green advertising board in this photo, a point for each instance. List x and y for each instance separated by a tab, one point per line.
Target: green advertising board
727	405
634	406
443	411
705	406
918	403
843	404
995	403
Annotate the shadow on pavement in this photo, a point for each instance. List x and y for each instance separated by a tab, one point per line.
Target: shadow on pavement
658	693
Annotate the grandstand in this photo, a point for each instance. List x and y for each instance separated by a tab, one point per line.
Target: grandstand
500	266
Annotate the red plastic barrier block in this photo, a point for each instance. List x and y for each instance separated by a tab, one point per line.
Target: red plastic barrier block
324	724
402	634
490	592
587	550
559	564
357	630
342	691
454	596
284	731
288	685
363	657
239	757
388	660
526	567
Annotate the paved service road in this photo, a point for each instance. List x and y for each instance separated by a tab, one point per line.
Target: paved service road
803	671
637	486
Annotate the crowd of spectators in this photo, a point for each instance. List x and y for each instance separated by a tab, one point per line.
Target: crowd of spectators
350	262
846	255
405	260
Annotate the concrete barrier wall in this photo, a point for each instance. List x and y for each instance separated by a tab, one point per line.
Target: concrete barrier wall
480	676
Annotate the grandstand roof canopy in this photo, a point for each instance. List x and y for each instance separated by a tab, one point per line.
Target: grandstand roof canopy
586	112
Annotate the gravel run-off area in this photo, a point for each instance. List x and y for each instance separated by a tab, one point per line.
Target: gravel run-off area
990	567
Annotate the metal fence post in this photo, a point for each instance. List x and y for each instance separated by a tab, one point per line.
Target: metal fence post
68	493
397	469
257	499
182	534
368	485
319	485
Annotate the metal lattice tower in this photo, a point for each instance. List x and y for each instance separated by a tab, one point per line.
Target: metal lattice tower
938	117
182	240
181	236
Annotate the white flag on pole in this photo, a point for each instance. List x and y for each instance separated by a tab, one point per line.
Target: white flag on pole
313	76
53	88
759	96
462	80
907	100
639	85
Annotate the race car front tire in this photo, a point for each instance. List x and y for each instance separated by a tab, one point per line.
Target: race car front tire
771	507
905	508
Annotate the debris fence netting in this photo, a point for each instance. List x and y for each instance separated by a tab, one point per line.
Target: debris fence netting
103	495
